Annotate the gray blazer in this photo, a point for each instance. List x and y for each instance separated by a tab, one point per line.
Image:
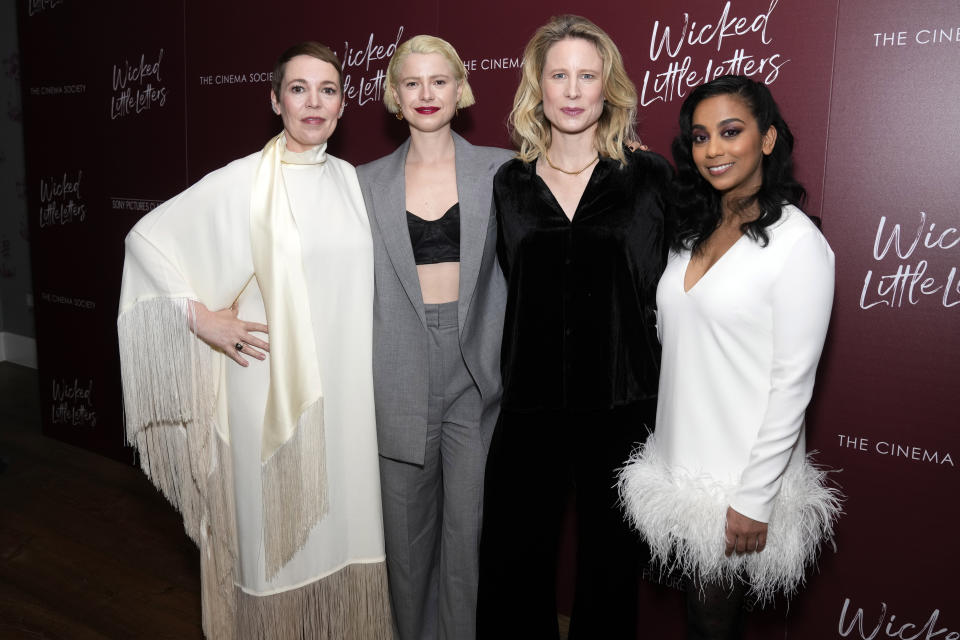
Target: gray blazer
400	365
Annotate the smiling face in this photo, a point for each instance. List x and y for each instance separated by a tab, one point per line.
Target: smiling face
572	86
427	91
728	146
309	102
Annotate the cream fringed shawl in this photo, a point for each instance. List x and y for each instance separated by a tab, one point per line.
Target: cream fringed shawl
206	244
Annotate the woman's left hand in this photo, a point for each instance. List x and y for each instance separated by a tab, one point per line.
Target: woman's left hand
225	331
743	534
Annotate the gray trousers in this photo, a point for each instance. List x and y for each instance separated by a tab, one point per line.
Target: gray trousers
431	513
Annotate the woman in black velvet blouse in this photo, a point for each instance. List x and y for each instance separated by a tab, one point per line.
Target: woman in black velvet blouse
580	241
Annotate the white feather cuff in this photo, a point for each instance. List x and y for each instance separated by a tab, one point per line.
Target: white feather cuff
682	518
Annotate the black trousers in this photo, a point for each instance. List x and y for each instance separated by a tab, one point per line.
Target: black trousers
536	460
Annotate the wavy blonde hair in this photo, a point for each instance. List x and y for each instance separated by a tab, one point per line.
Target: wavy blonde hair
425	44
530	130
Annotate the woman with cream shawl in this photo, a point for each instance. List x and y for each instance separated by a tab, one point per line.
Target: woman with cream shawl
273	464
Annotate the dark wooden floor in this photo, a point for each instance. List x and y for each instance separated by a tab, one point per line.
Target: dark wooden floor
88	548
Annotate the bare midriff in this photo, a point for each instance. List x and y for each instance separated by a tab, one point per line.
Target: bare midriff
439	282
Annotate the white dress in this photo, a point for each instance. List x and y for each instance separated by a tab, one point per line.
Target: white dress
740	352
197	246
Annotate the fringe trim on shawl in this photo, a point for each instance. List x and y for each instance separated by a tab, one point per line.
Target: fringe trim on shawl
168	392
294	490
351	604
218	550
683	519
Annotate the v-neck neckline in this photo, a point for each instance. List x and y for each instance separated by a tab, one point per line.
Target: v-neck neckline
683	280
553	198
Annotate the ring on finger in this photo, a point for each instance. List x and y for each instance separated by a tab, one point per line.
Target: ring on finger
238	346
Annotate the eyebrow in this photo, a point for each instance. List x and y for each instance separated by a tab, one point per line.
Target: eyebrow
722	123
577	70
436	75
292	80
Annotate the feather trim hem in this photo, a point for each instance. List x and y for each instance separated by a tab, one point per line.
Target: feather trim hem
683	517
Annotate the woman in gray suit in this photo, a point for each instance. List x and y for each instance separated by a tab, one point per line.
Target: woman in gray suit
438	320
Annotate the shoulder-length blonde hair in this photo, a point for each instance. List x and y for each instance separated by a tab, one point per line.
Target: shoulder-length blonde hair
530	130
425	44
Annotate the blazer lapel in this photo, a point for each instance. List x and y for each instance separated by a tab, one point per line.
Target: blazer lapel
390	206
473	192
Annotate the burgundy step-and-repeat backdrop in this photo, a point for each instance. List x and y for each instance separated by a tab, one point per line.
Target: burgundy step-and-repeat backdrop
127	103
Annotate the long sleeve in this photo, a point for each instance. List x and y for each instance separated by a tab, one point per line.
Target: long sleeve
195	246
802	299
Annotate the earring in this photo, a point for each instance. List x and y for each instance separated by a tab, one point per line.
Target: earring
399	115
456	111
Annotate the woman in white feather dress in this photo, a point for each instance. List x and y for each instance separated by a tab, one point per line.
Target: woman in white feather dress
724	491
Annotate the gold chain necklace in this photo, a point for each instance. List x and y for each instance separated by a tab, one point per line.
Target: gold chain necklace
570	173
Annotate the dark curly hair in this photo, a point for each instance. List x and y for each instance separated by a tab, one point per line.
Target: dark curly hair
698	209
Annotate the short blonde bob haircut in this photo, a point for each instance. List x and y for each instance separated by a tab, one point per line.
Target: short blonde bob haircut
425	44
530	130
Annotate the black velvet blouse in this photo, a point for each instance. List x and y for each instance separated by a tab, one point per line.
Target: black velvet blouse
580	321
